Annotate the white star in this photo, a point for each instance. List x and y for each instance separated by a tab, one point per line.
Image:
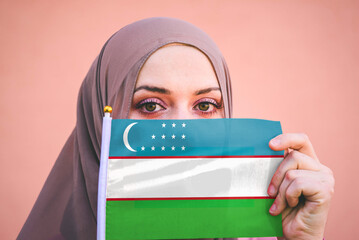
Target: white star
183	136
143	148
153	136
183	148
173	136
183	125
163	148
173	125
163	125
152	148
173	148
163	136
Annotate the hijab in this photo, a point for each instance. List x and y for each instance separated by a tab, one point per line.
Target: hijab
67	205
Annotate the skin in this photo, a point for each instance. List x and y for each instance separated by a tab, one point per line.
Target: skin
178	82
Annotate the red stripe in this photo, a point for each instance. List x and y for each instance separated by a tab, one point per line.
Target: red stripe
184	198
257	156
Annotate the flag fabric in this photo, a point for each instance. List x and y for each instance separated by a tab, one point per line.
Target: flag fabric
178	179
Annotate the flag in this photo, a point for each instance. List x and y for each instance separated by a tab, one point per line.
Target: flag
178	179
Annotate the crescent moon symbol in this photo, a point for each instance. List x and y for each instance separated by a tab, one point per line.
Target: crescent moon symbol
125	137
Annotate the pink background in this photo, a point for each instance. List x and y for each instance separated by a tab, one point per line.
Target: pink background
293	61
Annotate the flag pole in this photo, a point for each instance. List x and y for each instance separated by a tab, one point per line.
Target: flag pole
102	179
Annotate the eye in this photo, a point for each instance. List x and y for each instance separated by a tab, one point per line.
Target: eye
150	105
203	106
207	106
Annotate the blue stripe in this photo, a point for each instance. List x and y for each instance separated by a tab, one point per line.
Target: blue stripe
200	137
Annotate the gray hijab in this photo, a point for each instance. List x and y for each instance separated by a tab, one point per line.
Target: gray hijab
67	205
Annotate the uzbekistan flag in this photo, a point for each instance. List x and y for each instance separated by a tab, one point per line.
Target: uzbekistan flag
180	179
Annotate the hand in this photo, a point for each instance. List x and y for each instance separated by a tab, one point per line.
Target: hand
302	187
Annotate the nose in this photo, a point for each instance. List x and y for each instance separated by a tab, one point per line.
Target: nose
182	112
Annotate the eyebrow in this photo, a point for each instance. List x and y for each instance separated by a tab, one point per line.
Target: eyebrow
166	91
207	90
153	89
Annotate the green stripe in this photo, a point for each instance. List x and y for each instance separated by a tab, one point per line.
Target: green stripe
181	219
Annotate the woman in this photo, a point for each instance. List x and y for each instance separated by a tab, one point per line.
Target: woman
180	73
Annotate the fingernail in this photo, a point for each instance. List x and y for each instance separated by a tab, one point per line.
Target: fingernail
271	190
273	208
275	142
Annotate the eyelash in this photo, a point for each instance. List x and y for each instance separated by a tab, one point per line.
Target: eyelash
212	102
141	106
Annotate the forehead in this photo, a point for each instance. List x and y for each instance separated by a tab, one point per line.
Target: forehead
178	65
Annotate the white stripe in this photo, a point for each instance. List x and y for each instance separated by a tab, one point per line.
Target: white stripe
190	177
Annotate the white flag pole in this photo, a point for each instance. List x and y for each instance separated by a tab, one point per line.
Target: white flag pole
102	179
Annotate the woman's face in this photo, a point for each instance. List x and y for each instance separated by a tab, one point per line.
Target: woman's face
177	82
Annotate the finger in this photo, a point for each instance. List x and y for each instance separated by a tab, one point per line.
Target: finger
314	187
280	202
296	141
294	160
286	152
287	212
294	191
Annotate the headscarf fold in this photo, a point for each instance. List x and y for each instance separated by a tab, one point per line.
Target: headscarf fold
67	205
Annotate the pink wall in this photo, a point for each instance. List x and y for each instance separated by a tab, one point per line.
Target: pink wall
294	61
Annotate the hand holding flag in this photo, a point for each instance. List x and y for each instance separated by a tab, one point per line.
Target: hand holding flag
300	174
